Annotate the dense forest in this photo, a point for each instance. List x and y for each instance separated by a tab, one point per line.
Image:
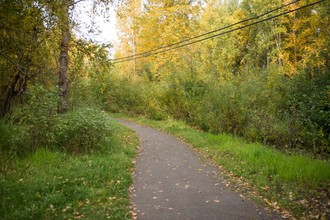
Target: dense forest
256	69
260	78
252	69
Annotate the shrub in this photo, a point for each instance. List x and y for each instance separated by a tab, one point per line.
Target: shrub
14	142
81	131
38	116
308	102
264	105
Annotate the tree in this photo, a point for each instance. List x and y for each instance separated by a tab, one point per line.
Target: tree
306	40
128	16
25	46
64	55
29	32
64	17
157	23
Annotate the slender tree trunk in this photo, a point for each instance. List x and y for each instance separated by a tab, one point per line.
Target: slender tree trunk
134	50
295	41
13	90
63	77
17	86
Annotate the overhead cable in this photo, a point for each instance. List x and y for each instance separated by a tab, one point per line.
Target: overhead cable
207	33
170	48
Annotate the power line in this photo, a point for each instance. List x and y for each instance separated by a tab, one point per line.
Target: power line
207	33
147	54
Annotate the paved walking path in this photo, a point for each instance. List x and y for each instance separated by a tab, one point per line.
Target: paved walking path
171	182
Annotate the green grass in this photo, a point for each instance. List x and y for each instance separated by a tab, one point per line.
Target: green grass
294	183
56	185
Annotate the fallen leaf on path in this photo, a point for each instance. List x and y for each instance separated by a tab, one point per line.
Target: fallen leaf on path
286	216
134	215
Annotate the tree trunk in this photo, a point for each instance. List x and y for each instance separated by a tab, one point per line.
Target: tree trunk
15	89
63	77
17	86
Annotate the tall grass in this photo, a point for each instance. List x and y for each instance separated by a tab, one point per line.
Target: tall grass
14	143
56	185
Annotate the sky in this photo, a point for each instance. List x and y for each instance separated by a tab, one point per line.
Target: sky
106	31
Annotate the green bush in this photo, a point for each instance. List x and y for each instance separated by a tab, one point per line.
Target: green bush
81	131
308	104
291	113
14	142
120	94
153	94
38	116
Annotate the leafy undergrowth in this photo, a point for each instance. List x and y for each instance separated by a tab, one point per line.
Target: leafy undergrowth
57	185
295	185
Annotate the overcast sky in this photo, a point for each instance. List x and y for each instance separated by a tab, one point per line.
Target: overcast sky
87	20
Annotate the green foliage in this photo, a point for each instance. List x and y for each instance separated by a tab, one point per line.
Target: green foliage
259	105
242	106
81	131
308	99
14	143
119	94
250	82
81	94
39	116
125	95
27	43
55	185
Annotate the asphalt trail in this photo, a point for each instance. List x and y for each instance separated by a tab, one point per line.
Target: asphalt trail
170	182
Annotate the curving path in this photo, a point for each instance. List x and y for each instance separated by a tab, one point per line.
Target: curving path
170	182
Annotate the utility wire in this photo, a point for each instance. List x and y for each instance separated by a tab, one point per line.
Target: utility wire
207	33
216	35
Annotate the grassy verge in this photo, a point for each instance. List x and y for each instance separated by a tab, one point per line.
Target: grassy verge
56	185
293	184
